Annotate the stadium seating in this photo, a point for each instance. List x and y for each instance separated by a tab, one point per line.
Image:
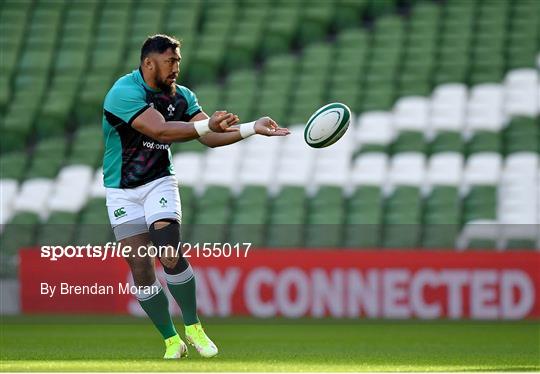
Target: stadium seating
444	141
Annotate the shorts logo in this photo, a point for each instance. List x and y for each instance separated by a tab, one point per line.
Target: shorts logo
163	202
120	212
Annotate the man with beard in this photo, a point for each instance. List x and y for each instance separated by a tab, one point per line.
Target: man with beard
143	113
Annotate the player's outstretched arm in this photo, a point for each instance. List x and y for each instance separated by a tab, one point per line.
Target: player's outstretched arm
263	126
152	124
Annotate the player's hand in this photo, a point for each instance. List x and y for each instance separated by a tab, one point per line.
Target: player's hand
268	127
221	121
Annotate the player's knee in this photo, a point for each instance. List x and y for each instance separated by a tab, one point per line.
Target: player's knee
165	234
161	224
174	266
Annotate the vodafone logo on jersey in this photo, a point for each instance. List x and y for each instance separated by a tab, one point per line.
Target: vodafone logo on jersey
153	145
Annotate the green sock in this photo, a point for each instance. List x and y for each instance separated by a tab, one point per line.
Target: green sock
182	287
157	308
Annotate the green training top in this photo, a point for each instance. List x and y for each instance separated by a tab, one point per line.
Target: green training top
132	159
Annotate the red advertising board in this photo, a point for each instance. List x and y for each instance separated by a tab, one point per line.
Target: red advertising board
297	283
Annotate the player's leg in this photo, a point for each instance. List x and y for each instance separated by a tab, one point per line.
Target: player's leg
162	209
165	233
133	232
178	272
153	299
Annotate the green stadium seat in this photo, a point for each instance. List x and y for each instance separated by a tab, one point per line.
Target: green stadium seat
348	13
450	75
482	244
353	39
521	244
484	141
19	233
349	95
402	218
17	127
207	62
441	217
47	158
447	141
480	75
47	13
86	147
245	43
188	198
522	135
286	219
209	97
521	53
480	203
425	13
414	87
59	229
248	220
106	57
281	31
57	105
326	214
381	98
36	61
364	218
214	199
94	227
13	165
213	215
95	86
13	21
316	21
379	7
238	80
41	37
409	141
316	59
70	61
241	102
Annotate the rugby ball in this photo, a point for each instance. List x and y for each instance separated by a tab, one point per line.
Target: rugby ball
327	125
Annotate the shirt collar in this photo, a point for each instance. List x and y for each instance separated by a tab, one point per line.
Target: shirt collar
139	77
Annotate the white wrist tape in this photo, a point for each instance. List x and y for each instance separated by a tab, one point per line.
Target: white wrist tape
202	127
247	129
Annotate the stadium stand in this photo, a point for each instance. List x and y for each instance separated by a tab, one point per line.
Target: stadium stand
444	143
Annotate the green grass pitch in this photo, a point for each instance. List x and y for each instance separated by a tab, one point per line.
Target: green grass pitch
56	343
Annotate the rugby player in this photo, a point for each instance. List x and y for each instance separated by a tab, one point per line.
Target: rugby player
143	113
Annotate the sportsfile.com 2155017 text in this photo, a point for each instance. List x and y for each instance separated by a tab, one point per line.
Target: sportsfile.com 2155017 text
113	249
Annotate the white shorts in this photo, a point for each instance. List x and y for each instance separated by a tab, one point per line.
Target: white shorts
133	210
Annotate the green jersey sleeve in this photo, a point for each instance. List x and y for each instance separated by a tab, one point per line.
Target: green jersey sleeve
126	102
192	102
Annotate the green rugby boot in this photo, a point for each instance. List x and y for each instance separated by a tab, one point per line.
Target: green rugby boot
196	336
175	348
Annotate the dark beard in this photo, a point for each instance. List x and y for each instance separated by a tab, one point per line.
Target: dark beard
168	89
